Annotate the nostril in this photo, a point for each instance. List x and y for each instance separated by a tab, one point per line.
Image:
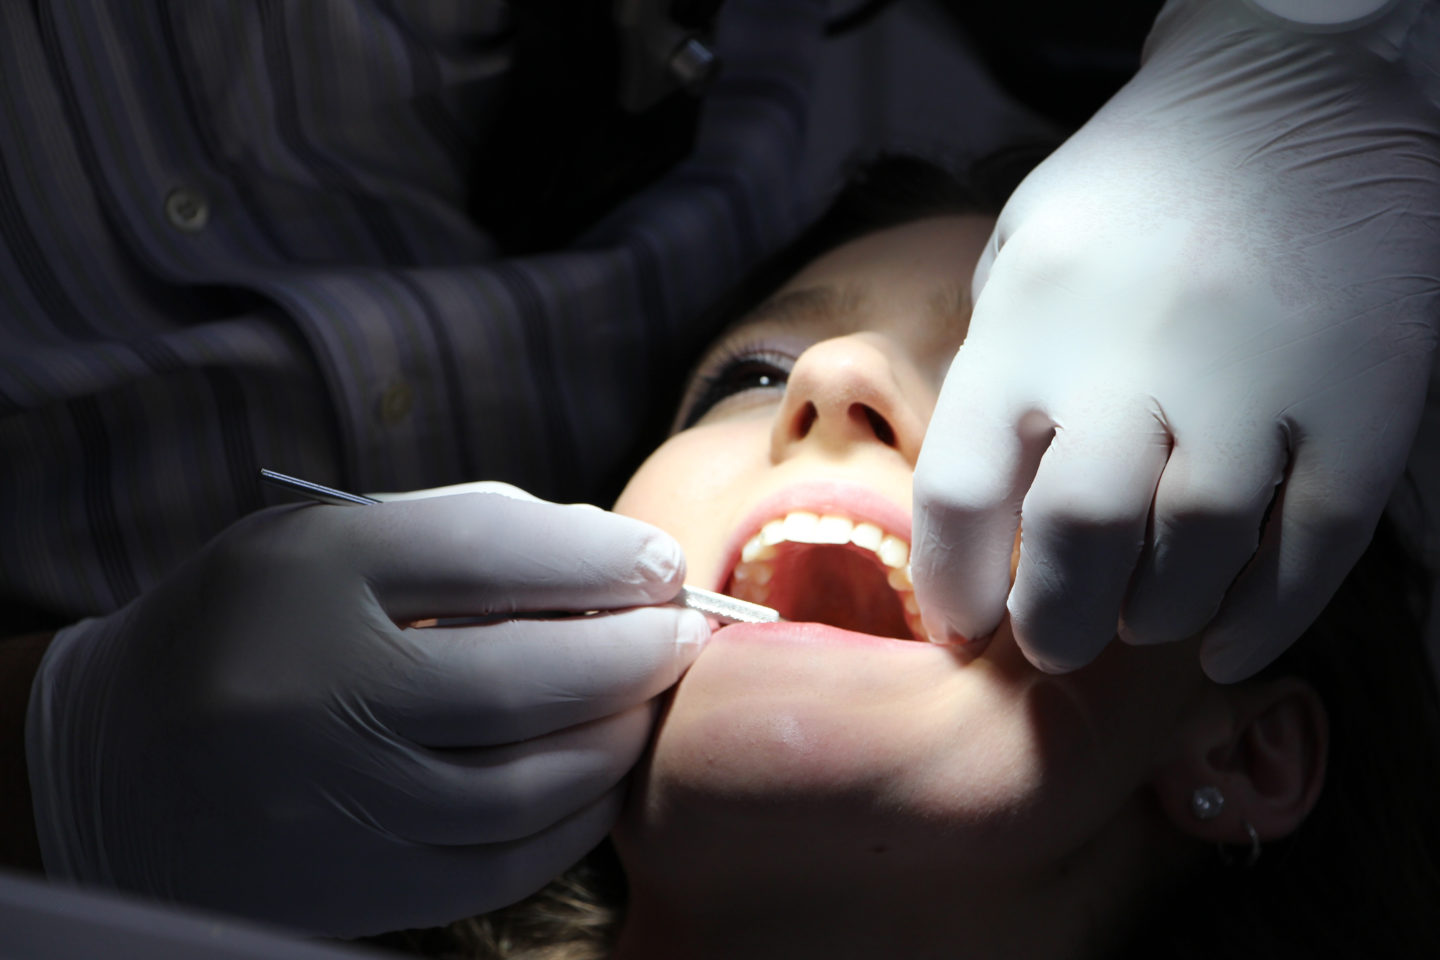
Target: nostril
804	420
878	424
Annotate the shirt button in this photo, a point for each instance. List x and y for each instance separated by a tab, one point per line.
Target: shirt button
187	209
396	402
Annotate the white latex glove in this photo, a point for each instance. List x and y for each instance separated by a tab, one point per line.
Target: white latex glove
1225	283
259	735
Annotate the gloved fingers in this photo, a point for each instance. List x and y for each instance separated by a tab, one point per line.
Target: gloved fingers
498	794
1316	532
1083	526
477	554
973	469
986	261
1209	508
473	486
445	883
511	681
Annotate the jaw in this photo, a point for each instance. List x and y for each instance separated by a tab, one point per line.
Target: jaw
844	878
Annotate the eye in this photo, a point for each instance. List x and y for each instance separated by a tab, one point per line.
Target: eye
732	374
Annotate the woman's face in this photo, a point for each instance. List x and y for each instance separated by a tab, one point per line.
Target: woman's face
843	731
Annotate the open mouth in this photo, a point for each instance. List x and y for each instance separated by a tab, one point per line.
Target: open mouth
830	568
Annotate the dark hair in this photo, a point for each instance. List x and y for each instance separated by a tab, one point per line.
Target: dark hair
887	191
1360	878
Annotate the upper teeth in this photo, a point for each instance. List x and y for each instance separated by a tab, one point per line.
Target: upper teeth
804	527
753	572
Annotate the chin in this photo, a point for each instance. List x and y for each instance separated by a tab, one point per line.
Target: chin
805	744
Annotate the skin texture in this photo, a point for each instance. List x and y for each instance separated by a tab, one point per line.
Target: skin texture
839	795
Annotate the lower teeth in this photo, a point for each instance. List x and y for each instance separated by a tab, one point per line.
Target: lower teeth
754	586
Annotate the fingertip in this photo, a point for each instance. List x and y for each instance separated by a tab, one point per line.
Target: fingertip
1058	633
1062	644
1220	669
961	564
660	564
965	649
692	633
1052	665
959	606
945	629
1140	638
948	636
1232	659
1243	641
657	564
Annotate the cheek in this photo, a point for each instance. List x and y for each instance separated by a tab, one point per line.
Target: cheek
1030	775
1081	744
694	486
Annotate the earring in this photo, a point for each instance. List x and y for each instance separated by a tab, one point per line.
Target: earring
1228	857
1206	803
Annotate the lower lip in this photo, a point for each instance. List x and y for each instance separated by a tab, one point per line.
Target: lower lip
813	634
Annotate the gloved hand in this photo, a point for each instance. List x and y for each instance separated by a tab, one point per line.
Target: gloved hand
261	733
1221	291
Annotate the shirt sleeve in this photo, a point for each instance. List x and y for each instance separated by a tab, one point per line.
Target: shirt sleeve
235	236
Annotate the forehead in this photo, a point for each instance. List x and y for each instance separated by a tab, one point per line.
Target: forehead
911	282
924	253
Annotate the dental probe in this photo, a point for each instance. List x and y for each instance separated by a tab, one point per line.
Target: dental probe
718	605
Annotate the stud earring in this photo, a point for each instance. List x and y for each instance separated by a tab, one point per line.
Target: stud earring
1206	803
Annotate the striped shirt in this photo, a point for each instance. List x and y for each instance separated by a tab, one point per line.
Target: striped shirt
233	235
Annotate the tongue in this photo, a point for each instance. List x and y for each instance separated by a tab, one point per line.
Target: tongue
842	586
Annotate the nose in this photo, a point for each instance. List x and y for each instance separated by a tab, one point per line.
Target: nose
845	393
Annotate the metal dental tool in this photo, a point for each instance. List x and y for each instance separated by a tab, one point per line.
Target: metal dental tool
725	609
717	605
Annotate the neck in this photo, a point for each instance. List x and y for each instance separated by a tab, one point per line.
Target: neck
829	923
1069	909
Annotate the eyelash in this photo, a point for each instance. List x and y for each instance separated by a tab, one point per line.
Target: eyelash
726	376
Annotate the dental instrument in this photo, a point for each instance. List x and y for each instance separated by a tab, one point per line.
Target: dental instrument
717	605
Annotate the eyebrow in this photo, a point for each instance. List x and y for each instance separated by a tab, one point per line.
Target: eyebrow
949	306
795	306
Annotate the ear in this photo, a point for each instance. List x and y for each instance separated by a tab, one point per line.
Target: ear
1263	746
